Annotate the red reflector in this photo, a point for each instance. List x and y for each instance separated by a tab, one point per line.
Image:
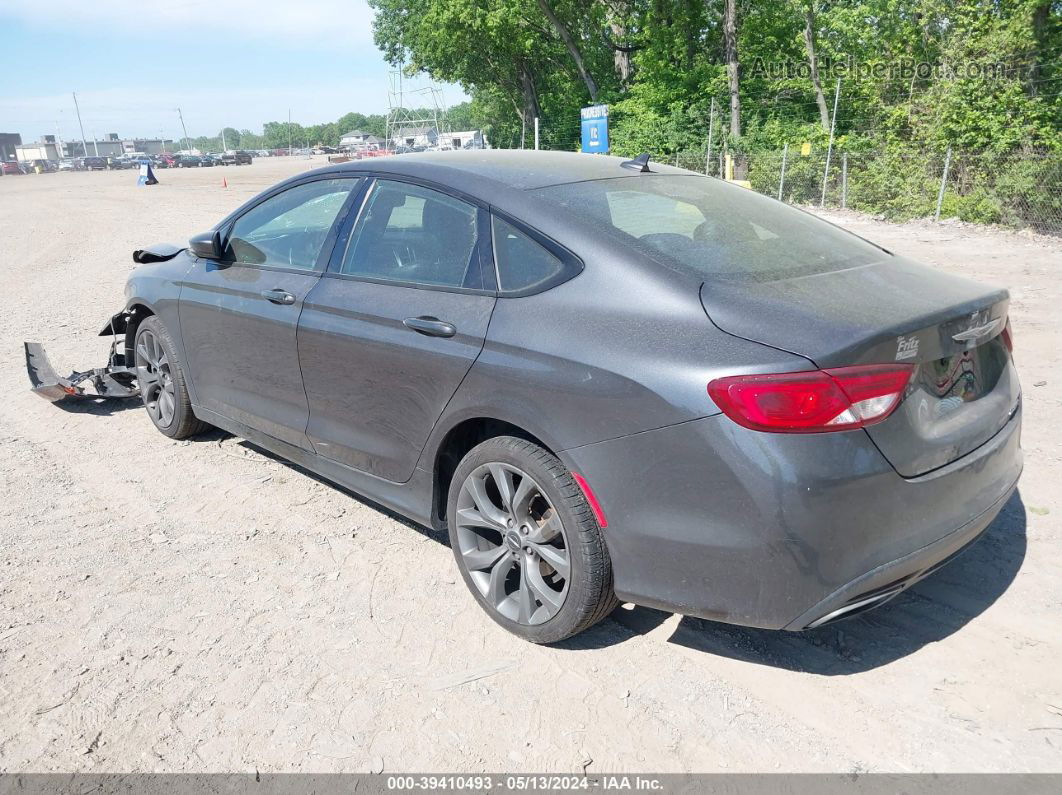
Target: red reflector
1008	336
814	401
591	498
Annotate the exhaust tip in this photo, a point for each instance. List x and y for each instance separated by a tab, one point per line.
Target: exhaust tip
854	608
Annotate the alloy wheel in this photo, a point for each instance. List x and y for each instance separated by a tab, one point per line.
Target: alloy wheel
512	543
155	378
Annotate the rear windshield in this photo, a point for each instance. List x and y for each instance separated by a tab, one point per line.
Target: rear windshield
713	229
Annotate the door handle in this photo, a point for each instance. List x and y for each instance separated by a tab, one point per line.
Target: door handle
431	326
278	296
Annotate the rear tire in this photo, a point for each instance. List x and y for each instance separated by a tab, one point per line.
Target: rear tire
527	543
162	384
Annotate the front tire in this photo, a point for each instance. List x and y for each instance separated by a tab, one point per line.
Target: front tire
527	543
162	384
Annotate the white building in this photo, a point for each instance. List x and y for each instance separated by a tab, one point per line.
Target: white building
359	140
113	146
473	139
42	150
415	136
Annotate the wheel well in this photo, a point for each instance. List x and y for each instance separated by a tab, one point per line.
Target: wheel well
138	313
458	441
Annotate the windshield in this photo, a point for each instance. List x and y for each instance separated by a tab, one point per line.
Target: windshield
712	229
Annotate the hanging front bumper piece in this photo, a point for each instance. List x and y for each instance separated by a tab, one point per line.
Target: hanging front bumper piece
116	380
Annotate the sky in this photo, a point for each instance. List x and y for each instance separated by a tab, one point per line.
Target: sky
232	63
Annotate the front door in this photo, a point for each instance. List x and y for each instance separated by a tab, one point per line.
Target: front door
392	328
239	315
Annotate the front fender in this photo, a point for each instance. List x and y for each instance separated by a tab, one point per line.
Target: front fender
154	288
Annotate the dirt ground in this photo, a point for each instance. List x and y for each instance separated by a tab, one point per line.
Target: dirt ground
201	606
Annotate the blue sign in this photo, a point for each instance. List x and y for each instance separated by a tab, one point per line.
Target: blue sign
595	128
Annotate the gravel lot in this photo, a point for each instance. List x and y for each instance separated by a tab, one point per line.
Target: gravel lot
202	606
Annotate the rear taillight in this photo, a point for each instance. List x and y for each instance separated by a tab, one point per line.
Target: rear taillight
1008	336
814	401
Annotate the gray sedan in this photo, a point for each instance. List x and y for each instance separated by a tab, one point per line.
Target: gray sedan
607	380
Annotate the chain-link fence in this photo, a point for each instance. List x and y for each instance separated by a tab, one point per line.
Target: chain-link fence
1019	190
897	185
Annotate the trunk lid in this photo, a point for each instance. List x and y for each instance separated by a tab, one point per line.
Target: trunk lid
964	388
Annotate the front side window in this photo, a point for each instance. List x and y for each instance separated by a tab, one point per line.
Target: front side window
407	233
289	230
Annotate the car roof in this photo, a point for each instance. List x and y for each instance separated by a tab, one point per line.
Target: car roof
506	180
520	169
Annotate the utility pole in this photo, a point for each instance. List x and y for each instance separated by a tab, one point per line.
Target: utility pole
829	149
185	130
224	148
84	144
289	132
536	132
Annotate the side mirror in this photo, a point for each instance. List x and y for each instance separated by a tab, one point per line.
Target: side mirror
207	245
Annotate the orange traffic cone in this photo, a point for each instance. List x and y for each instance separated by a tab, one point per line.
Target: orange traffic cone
224	182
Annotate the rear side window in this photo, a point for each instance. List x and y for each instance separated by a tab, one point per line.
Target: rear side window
523	264
712	229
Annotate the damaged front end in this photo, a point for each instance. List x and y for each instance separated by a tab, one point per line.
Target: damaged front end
116	380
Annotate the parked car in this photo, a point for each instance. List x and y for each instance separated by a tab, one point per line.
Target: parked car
605	379
10	167
237	158
209	160
189	161
166	161
39	166
93	163
68	164
119	163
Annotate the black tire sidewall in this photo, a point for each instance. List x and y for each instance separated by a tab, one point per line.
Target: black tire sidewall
558	486
180	401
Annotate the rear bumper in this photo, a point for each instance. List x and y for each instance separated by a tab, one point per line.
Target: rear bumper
783	531
878	586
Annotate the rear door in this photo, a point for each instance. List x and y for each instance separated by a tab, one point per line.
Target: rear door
390	331
239	316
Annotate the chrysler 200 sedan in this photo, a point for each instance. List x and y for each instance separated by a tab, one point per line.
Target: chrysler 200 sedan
607	380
